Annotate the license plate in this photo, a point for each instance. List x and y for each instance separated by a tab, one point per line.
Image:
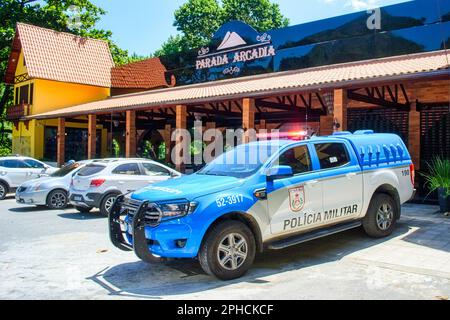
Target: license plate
77	198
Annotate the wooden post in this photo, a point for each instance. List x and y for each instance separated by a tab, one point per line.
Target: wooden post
181	124
340	108
248	117
61	142
326	125
414	135
130	137
92	136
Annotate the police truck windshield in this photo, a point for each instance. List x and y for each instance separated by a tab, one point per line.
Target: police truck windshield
242	161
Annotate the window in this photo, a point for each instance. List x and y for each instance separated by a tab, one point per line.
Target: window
9	164
155	170
332	155
30	100
90	170
24	92
128	169
17	96
297	158
23	165
33	164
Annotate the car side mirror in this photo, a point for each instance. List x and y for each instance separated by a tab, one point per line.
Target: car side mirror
279	172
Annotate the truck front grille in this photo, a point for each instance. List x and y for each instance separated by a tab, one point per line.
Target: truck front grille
152	215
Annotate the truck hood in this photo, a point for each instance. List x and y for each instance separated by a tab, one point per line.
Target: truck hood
187	187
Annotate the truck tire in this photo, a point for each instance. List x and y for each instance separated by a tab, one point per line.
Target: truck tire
228	250
4	189
83	209
107	203
380	220
57	199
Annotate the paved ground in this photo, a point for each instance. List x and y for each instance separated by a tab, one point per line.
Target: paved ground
65	255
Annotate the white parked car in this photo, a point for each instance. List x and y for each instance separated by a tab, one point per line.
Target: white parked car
98	184
16	170
51	191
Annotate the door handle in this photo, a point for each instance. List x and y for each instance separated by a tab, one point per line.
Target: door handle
121	182
351	175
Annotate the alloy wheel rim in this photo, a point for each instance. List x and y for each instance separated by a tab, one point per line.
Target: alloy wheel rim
385	216
109	203
2	191
232	251
58	200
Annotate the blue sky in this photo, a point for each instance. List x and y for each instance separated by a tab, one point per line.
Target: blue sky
141	26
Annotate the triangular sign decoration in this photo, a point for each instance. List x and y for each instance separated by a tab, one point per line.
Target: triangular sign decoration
231	40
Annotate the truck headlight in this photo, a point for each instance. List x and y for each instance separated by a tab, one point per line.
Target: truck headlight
177	209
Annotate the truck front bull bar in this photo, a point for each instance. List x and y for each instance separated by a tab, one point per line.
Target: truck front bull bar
140	243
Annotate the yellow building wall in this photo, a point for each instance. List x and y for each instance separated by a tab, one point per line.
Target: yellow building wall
30	141
51	95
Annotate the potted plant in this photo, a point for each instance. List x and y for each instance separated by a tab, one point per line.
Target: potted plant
438	179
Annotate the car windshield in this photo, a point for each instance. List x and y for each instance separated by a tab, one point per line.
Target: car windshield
65	170
242	161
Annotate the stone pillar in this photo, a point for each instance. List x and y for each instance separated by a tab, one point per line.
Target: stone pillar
210	126
262	125
92	136
181	123
168	141
326	125
414	135
61	142
340	108
130	136
248	117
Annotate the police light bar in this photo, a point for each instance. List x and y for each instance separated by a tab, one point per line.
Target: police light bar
292	135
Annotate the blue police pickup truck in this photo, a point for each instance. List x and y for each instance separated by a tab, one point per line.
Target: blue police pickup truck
268	195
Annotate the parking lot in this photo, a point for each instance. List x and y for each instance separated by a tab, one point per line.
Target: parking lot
67	255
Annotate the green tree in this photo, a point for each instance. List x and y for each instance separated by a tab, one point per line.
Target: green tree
198	20
74	16
260	14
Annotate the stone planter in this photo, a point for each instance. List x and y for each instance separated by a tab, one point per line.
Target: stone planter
444	200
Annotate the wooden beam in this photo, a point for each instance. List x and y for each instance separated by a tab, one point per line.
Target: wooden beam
248	117
92	136
61	142
180	145
130	134
340	108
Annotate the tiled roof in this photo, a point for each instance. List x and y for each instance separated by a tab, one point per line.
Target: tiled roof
64	57
307	79
146	74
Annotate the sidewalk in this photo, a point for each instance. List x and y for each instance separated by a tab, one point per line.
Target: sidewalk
424	249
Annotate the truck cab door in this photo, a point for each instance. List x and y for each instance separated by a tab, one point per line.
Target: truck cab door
342	179
294	203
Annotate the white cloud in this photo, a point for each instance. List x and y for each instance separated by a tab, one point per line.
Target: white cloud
356	4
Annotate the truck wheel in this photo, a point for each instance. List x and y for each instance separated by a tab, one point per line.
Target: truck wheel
3	190
380	219
228	250
57	199
107	203
83	209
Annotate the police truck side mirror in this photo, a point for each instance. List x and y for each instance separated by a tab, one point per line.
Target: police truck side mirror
279	172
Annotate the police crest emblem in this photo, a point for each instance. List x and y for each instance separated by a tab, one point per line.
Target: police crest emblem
297	198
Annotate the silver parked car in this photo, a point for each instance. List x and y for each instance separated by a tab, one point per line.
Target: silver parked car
16	170
98	184
51	191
